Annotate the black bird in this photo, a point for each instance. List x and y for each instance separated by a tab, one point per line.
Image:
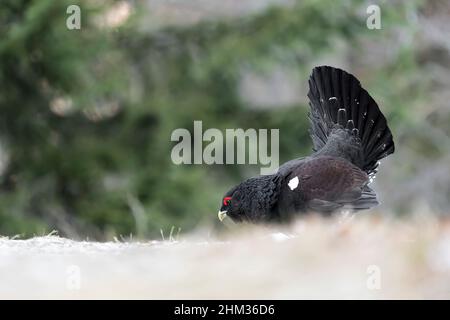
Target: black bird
350	135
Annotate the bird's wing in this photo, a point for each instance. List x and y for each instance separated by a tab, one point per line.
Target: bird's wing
327	183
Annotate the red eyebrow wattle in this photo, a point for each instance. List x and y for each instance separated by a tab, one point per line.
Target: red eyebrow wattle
225	200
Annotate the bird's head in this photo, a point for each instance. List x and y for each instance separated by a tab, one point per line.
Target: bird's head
232	205
250	201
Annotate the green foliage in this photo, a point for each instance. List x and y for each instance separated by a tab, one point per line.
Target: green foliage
87	114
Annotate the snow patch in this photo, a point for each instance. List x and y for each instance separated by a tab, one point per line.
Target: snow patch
279	236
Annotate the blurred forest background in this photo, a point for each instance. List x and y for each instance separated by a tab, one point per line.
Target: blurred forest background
86	115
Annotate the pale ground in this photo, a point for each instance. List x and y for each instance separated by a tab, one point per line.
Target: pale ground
366	257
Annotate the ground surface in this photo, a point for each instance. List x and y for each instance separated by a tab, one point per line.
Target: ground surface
361	258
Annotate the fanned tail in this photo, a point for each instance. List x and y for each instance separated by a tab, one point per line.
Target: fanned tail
337	100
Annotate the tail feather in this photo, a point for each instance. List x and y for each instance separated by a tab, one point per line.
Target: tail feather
367	200
337	100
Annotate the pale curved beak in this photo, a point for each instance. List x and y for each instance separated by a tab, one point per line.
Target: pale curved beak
222	215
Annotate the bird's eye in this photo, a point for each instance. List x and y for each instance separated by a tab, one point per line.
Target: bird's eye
226	201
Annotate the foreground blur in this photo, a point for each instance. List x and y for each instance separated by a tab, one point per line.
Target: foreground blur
366	257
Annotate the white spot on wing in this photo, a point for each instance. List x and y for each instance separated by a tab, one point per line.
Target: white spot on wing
332	98
293	183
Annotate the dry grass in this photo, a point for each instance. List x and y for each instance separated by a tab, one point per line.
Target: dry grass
320	259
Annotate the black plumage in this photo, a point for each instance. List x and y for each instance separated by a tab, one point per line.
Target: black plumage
350	135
